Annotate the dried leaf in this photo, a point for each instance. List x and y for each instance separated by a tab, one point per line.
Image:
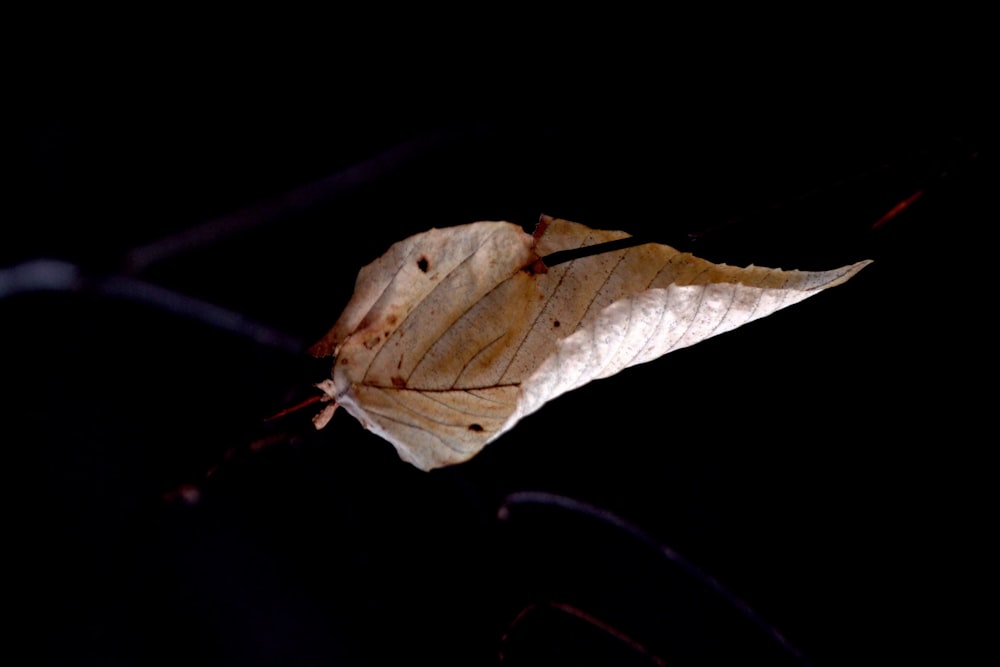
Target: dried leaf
454	335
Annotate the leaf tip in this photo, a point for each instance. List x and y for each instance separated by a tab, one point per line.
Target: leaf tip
855	268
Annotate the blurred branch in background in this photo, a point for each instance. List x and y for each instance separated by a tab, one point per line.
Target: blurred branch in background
294	201
49	275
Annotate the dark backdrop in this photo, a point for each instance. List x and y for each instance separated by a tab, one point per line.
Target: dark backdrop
822	464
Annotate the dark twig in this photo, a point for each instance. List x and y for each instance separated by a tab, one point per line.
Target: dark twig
897	209
603	515
50	275
289	203
961	159
586	618
563	256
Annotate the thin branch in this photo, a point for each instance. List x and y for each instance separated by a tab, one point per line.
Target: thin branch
563	256
612	519
586	618
294	201
40	275
50	275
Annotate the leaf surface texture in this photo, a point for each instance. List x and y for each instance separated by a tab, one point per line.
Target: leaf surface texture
454	335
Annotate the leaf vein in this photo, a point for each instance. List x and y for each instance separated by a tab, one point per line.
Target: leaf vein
416	306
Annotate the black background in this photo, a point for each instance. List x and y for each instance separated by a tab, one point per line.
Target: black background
823	464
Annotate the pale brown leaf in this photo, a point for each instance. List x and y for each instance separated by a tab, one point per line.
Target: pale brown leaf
454	335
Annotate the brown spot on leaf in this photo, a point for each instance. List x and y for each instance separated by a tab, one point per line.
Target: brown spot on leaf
475	427
423	264
398	382
556	323
391	319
